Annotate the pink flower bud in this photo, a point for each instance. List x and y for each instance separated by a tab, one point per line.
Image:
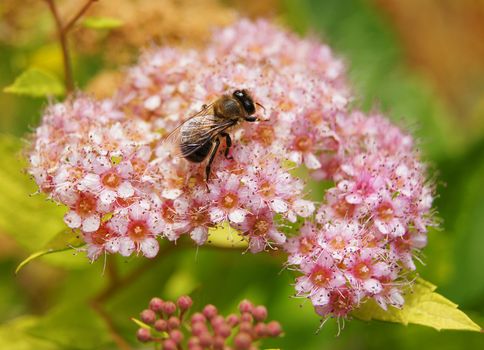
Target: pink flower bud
245	327
260	330
148	316
245	306
210	311
156	304
274	329
198	328
176	335
184	302
169	344
168	308
217	320
193	341
143	335
161	325
173	322
260	313
232	320
218	343
206	339
242	341
246	317
223	330
198	317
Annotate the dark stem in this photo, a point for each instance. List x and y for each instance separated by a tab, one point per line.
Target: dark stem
62	32
69	82
113	275
79	14
115	285
117	338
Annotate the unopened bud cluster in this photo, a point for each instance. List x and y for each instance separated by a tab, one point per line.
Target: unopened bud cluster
172	327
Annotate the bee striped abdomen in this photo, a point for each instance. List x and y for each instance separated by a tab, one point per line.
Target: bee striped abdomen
199	155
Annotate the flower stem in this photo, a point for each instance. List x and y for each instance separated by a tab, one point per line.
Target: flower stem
79	14
62	32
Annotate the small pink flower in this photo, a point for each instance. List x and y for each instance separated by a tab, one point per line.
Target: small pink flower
108	182
138	226
260	228
84	213
322	276
304	246
304	144
104	239
227	195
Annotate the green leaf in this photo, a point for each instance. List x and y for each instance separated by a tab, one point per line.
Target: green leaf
461	204
141	323
102	23
73	325
422	306
36	82
225	236
30	219
14	336
66	240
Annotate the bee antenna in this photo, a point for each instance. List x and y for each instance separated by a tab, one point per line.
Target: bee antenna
257	103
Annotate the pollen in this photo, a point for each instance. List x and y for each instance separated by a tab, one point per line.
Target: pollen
101	236
111	180
385	211
266	189
86	204
303	143
320	276
306	245
229	201
266	135
137	230
362	271
261	227
337	242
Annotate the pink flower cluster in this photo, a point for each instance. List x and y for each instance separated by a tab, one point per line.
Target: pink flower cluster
371	222
126	187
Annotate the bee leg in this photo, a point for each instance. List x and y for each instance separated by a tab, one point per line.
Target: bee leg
251	119
228	143
210	160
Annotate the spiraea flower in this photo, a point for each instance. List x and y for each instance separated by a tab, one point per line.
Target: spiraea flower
380	201
125	187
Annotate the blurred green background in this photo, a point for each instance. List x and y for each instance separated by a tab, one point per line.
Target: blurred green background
421	62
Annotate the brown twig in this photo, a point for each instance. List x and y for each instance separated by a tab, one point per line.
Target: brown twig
79	14
62	32
112	288
116	284
117	338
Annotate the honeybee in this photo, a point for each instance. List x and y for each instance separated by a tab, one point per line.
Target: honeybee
199	137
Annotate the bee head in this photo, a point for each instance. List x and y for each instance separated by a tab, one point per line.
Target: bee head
244	98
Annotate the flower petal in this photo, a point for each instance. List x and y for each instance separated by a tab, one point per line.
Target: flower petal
149	247
72	219
237	216
91	223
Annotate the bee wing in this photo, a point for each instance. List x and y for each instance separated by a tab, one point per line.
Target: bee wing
195	132
174	136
